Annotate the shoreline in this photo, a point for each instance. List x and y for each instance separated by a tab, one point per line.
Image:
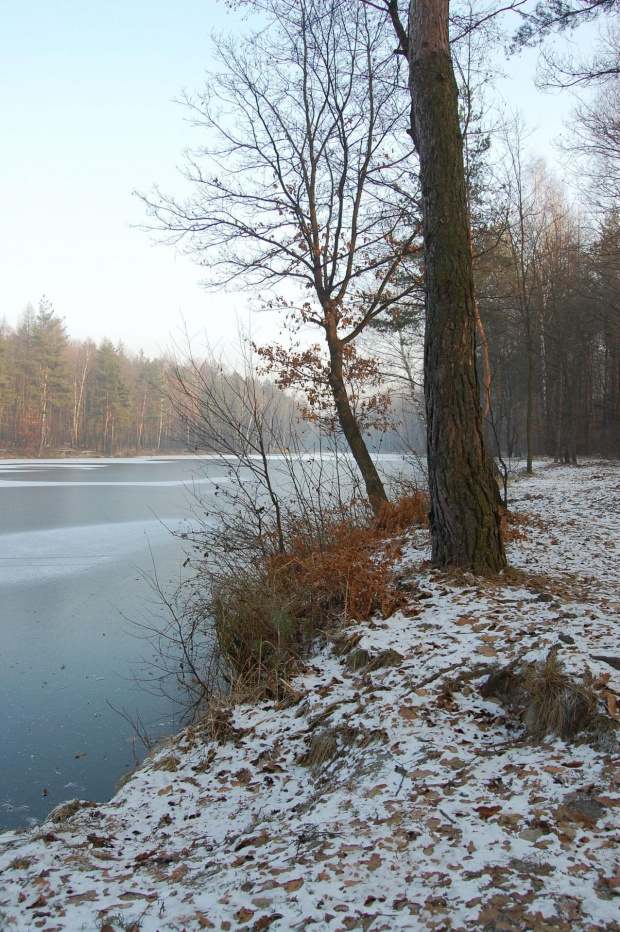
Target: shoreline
87	454
388	796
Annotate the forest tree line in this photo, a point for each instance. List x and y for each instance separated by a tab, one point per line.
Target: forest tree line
59	394
549	296
548	354
64	396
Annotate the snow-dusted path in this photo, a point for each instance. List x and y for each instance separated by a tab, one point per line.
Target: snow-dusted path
435	815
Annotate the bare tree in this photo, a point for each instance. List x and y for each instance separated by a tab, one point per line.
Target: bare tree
595	141
525	231
267	486
307	180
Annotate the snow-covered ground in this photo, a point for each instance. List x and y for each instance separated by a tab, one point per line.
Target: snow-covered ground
385	798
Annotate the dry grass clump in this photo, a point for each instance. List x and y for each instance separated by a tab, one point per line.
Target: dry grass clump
386	658
506	685
328	744
269	616
556	704
125	778
217	721
259	635
64	811
357	659
546	698
324	747
169	763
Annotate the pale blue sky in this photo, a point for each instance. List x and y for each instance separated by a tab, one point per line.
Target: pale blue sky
87	116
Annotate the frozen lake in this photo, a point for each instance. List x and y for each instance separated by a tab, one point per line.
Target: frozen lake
74	538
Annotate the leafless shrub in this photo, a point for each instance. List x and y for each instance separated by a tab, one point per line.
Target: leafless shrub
186	664
284	548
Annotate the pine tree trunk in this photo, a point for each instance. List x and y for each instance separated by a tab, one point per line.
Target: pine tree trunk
464	516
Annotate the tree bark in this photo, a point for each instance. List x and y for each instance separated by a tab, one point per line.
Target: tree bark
529	413
348	421
465	522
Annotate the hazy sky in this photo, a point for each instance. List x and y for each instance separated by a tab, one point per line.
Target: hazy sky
87	117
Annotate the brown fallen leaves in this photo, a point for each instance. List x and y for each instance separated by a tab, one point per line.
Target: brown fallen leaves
486	812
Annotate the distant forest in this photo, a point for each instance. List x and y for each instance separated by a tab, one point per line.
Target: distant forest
549	308
60	396
549	299
63	395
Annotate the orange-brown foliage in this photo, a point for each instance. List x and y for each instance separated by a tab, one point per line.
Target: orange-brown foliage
348	576
349	579
512	525
267	622
408	511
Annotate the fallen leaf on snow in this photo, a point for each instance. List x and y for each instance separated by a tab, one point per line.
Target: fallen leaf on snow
203	922
89	897
485	812
292	885
41	901
454	763
145	855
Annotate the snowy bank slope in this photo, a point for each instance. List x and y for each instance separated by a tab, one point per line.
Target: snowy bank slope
389	797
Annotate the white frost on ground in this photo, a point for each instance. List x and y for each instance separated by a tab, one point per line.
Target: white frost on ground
436	815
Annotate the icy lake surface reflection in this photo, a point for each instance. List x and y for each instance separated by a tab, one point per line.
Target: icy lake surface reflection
74	536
